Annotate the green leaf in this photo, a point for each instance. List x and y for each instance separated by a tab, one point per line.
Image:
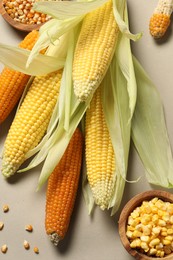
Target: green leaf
16	58
121	17
67	9
149	132
124	56
54	35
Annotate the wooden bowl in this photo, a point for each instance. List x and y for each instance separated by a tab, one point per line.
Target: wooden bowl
129	207
17	25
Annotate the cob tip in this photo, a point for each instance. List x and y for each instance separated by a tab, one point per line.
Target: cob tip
8	169
54	238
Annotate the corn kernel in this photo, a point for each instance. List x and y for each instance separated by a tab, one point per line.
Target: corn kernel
154	242
170	238
166	242
161	223
169	231
144	246
136	233
152	251
145	238
156	230
129	234
159	246
146	230
135	243
160	253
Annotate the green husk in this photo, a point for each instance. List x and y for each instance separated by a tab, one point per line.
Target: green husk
64	10
149	132
16	58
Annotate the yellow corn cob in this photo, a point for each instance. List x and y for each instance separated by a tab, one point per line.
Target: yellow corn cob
160	19
12	83
100	159
94	50
31	121
62	189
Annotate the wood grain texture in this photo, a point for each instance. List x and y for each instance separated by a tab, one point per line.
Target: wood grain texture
129	207
17	25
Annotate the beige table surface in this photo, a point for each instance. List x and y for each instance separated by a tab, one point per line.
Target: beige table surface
88	238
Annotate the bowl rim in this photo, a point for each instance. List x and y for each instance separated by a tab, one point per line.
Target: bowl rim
17	25
128	208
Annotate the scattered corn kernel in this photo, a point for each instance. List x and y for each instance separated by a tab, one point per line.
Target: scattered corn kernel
1	225
36	250
150	228
29	228
26	245
4	249
5	208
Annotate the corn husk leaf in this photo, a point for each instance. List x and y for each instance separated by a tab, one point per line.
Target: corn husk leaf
54	32
16	58
119	9
149	132
124	55
67	9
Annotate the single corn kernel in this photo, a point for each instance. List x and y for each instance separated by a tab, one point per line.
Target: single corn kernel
26	245
154	242
139	227
169	231
152	251
156	230
145	246
160	253
135	243
145	238
29	228
159	246
129	234
5	208
161	223
136	233
166	242
4	249
1	225
146	230
146	218
36	250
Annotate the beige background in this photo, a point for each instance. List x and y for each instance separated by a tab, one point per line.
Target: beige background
95	237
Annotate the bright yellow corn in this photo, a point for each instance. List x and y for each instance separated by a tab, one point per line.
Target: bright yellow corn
62	189
160	19
31	121
100	159
94	50
12	83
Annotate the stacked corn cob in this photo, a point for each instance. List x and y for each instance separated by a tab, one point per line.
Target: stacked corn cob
62	189
100	157
31	121
94	50
12	83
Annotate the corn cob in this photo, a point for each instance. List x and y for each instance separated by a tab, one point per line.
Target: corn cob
160	19
12	83
31	121
100	158
94	50
62	189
